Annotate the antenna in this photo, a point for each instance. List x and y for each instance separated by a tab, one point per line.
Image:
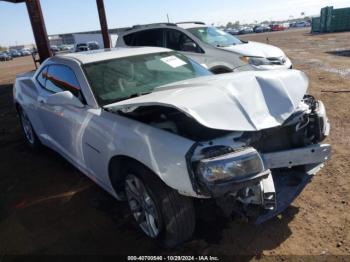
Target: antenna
167	16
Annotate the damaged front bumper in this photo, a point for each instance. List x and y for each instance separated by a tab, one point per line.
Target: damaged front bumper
311	154
288	185
290	156
267	194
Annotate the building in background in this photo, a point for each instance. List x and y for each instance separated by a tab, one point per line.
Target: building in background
84	37
20	47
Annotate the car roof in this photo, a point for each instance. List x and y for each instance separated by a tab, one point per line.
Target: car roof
191	25
111	53
182	25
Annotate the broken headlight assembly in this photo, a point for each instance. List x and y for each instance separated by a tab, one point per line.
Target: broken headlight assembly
233	166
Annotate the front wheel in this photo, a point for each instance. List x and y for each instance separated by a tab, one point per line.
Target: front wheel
161	212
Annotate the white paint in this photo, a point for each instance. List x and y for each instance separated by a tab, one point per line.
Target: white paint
104	54
256	49
245	101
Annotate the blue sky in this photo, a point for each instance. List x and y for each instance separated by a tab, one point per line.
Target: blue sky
64	16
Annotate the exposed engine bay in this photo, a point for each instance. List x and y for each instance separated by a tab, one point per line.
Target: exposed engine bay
174	121
275	163
303	128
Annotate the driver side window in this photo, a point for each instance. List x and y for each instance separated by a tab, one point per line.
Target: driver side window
179	41
59	78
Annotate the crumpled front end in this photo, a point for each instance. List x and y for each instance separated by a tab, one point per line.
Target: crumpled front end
256	136
258	174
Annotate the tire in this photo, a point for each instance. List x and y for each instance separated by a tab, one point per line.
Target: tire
29	134
173	215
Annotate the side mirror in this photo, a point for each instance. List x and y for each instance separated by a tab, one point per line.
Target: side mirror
65	98
189	47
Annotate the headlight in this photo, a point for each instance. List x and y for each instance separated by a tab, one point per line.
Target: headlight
255	61
231	166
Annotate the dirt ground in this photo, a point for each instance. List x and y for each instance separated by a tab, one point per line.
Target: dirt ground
48	207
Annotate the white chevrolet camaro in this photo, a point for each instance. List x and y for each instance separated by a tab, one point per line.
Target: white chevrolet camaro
158	130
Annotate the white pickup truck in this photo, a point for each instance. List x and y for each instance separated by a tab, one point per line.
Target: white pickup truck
156	129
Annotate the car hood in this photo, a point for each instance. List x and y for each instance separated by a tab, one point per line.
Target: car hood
255	49
245	101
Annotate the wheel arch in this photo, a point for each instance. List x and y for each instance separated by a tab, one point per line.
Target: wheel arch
116	172
220	69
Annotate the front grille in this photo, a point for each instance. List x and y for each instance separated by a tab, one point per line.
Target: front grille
279	138
277	60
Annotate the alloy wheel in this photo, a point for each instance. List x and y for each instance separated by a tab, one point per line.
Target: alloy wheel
27	128
142	206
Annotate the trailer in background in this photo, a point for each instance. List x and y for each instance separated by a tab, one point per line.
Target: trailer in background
331	20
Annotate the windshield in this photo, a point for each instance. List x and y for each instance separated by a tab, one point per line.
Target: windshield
213	36
122	78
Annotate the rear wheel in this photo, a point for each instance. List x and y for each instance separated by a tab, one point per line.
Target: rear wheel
161	212
28	131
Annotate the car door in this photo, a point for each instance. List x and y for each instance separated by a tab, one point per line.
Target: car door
62	124
181	42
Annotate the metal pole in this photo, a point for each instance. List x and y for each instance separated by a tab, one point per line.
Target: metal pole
39	30
103	22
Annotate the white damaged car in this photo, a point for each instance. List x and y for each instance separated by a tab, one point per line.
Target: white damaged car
158	130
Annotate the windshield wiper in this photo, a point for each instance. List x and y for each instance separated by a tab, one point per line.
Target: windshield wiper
138	94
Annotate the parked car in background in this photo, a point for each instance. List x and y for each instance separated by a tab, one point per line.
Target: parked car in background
25	52
54	49
217	50
4	56
277	27
14	53
81	47
246	30
286	26
66	47
233	31
301	24
63	47
156	129
261	29
71	48
93	45
8	53
20	52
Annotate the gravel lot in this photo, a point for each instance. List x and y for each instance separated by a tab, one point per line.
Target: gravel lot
49	207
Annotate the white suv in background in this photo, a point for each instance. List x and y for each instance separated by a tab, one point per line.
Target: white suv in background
215	49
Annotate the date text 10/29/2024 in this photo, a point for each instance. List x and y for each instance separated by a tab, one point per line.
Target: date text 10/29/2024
173	258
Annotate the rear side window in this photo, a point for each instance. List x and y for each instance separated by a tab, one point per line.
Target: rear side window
152	37
61	78
129	39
